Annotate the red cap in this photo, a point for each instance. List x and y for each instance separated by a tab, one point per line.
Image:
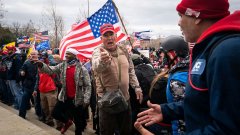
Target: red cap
106	27
204	8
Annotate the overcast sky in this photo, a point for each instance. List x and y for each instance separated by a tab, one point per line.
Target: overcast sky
158	16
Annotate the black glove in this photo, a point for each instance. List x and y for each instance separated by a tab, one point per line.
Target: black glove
85	105
39	64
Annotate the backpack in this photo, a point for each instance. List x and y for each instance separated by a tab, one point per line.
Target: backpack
145	75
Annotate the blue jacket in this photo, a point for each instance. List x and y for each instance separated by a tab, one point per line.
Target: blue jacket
212	99
177	94
175	90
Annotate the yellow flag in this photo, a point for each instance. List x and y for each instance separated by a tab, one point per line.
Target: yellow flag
30	50
31	39
12	44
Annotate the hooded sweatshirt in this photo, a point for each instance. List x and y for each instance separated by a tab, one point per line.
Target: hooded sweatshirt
211	104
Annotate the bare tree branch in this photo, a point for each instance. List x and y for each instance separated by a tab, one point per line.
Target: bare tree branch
54	23
82	15
2	10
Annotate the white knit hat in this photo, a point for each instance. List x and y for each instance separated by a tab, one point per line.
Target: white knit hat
73	51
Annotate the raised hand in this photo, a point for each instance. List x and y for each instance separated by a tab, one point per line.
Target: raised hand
105	56
150	116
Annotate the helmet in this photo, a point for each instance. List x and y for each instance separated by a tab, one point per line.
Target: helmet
136	59
177	44
44	54
135	56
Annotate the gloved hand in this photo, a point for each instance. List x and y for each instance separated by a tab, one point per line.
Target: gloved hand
39	63
85	105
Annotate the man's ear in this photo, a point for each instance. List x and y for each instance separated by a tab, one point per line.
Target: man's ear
198	21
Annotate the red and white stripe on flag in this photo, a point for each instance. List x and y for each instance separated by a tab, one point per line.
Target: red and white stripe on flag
136	43
39	36
82	39
85	36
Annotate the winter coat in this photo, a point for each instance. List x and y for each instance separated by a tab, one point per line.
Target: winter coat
82	81
211	103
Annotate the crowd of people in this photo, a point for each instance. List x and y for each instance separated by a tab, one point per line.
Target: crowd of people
189	91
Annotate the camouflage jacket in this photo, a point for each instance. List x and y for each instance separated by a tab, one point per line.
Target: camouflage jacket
82	81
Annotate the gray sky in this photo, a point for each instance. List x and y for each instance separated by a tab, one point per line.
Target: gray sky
158	16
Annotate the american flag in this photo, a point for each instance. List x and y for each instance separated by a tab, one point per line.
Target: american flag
40	36
85	36
137	42
23	45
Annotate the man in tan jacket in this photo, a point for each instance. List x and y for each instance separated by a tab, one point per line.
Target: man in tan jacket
107	60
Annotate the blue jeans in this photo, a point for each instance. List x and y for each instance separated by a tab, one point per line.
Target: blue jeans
27	94
25	102
16	89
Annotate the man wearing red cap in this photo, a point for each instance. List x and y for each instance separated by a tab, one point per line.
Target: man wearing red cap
211	104
114	69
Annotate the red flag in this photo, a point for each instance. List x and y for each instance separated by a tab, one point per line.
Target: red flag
85	36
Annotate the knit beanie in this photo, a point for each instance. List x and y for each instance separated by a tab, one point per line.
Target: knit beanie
213	9
73	51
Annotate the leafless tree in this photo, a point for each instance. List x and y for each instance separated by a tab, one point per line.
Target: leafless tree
28	29
16	28
82	15
52	21
2	10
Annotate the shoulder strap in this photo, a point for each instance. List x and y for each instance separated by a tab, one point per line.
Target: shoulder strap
219	41
124	51
119	75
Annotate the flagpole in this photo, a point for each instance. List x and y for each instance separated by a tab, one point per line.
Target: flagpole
121	21
88	8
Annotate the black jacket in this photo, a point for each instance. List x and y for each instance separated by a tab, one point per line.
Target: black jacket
30	70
